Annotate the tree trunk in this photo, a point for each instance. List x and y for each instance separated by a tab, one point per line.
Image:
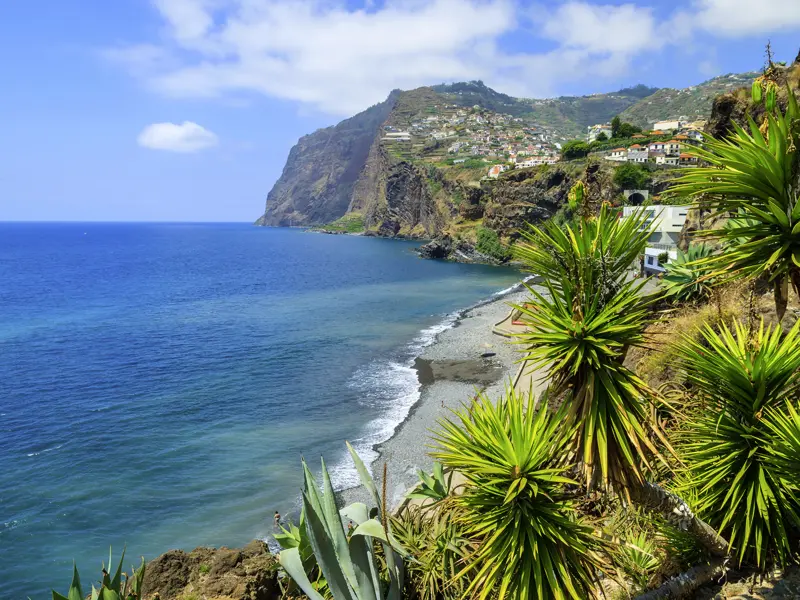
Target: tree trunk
687	582
673	508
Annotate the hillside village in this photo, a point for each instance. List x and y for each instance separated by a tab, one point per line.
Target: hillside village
665	144
454	135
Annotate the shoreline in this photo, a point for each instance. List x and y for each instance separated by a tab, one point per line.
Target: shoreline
461	360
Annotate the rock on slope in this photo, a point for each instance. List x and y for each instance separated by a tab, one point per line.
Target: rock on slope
249	573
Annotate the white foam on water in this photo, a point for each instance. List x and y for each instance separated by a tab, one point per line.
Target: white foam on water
393	388
46	450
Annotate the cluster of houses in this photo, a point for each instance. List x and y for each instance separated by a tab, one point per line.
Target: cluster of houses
669	152
477	132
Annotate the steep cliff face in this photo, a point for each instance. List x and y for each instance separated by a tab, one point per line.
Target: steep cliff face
397	197
528	196
316	185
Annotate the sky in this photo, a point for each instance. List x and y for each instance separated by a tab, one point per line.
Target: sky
185	110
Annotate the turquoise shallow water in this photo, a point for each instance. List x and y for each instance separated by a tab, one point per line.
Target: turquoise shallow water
160	382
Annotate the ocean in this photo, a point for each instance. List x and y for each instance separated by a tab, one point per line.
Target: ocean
159	383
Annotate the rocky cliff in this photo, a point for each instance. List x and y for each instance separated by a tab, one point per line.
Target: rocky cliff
413	188
317	182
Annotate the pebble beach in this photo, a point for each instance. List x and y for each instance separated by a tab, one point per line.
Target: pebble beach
462	361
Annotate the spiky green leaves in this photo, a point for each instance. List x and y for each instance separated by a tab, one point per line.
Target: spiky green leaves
742	444
111	587
530	542
581	329
348	563
689	277
754	176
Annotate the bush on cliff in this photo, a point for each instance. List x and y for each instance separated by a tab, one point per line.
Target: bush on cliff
489	244
630	176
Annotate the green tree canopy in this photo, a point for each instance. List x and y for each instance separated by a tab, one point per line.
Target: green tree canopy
615	123
574	149
630	176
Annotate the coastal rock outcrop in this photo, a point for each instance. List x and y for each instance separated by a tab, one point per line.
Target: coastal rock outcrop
249	573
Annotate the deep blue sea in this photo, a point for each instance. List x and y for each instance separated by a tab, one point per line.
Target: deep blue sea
160	382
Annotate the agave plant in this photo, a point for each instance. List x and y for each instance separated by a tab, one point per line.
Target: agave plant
515	506
688	277
742	445
111	587
756	177
296	536
581	331
350	566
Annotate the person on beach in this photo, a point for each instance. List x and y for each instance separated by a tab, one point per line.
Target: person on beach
277	519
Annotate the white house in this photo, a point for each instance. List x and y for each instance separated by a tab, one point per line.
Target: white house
657	147
669	125
397	136
495	170
673	147
694	135
668	222
618	154
637	153
652	264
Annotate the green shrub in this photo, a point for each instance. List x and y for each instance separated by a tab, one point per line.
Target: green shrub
575	149
204	569
489	244
631	176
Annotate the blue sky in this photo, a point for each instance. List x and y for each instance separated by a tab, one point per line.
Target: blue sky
185	110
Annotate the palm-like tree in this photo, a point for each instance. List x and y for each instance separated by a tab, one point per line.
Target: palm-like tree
581	330
755	176
515	506
742	442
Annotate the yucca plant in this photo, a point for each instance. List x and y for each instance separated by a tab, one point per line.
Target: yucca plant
350	565
689	276
637	556
435	541
741	446
516	505
581	331
754	176
112	587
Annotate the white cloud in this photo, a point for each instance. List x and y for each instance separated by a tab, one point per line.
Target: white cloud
735	18
625	29
340	60
186	137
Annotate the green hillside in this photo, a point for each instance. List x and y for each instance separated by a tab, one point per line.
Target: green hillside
692	102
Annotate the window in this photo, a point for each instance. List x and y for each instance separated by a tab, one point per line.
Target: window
650	260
